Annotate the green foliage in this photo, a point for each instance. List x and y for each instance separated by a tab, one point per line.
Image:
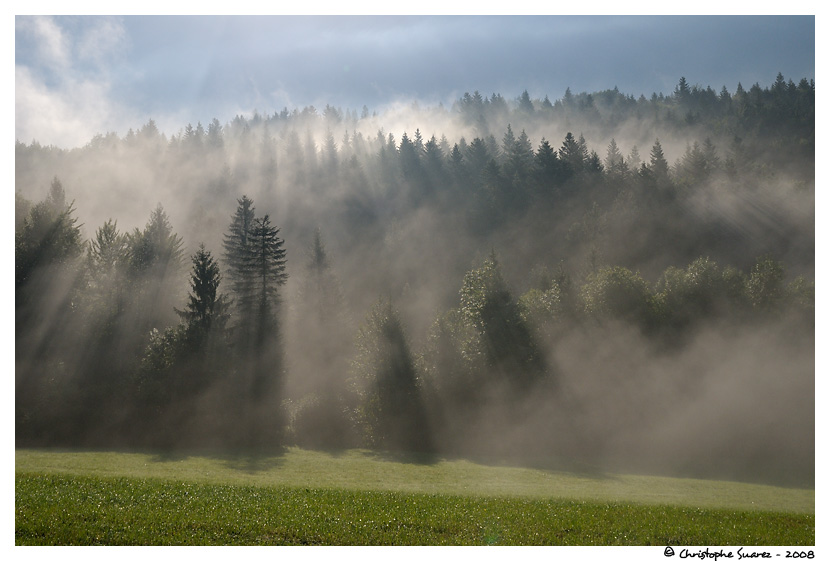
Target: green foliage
255	258
49	235
504	340
734	285
107	292
107	252
391	409
542	309
186	360
658	165
616	167
549	170
451	360
237	246
618	293
699	291
22	206
156	250
264	267
697	165
802	293
206	310
572	154
157	385
765	286
236	242
48	282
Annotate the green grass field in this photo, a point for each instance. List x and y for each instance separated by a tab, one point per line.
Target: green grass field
361	498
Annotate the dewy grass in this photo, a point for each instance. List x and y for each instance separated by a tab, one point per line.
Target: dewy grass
306	497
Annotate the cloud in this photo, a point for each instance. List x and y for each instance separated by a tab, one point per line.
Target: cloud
52	48
104	41
63	93
197	68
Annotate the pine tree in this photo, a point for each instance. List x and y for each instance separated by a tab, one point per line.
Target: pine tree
263	264
548	168
50	235
320	329
525	105
206	309
571	154
658	165
106	265
257	258
633	160
522	155
156	249
183	361
329	157
107	249
46	280
616	166
682	91
477	157
155	260
321	288
236	244
508	143
614	161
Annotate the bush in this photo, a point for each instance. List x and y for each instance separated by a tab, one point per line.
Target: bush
618	293
391	411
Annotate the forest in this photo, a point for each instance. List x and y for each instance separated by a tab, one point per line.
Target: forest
606	279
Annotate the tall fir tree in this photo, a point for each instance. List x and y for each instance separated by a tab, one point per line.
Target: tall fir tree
206	309
236	245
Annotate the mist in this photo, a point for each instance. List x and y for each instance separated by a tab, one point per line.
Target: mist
443	291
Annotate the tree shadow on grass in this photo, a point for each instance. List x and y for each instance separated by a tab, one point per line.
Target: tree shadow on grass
578	467
249	461
252	463
417	458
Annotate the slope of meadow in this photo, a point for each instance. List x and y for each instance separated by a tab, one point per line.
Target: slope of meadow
359	497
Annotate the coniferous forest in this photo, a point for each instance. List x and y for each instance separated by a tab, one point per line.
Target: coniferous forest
603	279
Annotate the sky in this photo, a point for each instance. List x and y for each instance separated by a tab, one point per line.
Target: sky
78	76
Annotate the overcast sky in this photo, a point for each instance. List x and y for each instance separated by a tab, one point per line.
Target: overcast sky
78	76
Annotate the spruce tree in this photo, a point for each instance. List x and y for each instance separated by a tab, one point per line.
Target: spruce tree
206	310
236	247
157	249
50	235
658	165
256	264
322	340
264	267
571	153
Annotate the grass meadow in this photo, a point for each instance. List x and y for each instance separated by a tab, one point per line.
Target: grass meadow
302	497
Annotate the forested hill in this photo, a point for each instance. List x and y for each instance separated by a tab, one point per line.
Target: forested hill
414	277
